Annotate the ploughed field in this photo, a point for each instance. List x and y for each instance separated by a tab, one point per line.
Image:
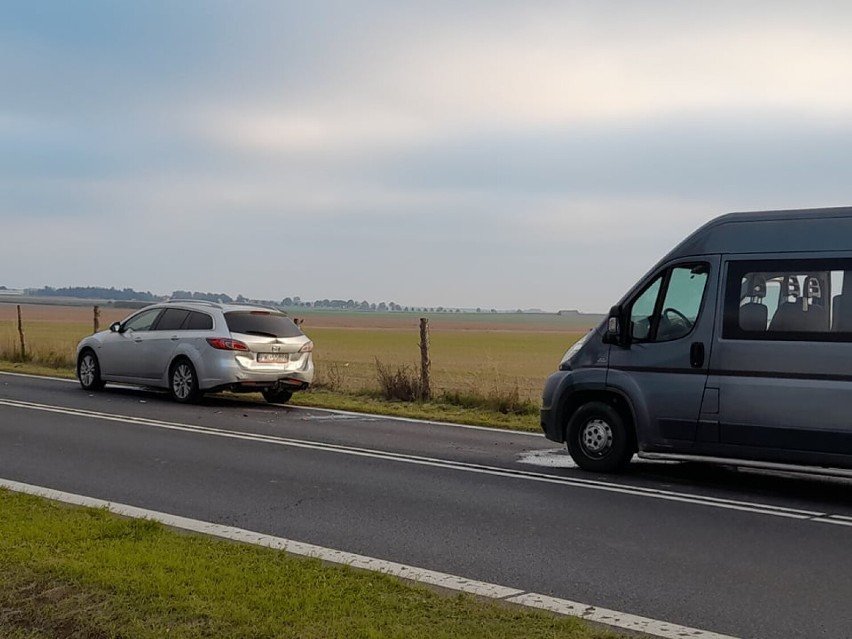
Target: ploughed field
477	353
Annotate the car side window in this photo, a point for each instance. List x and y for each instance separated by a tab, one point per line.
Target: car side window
171	319
198	322
143	321
668	308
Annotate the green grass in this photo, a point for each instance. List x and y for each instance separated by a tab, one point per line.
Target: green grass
84	573
435	410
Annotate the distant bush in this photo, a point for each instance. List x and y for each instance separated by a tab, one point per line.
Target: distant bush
506	400
401	383
328	377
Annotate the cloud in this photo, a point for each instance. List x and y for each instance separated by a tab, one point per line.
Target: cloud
486	154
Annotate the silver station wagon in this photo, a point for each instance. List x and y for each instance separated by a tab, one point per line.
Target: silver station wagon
193	347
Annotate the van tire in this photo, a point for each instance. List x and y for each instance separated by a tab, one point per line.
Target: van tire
599	439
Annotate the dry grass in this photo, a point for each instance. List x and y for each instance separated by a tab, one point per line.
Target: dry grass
466	363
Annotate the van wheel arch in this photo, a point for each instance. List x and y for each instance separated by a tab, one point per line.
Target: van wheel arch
616	401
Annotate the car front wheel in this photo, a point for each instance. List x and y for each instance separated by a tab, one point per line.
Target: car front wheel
599	439
89	371
183	382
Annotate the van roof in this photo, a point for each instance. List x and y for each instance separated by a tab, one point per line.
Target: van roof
828	229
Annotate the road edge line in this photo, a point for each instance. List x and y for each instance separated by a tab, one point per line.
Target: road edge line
515	596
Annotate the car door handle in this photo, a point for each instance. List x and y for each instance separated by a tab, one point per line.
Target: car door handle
696	355
137	340
174	338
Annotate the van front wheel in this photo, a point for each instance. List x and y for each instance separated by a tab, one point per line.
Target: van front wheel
598	438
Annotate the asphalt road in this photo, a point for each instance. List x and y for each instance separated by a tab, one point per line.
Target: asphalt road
757	555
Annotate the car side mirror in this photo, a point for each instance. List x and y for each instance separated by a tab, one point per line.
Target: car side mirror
616	328
115	327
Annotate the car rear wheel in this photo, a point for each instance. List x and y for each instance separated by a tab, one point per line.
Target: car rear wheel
599	439
183	382
276	395
89	371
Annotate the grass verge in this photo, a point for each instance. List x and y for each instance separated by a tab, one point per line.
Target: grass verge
84	573
363	402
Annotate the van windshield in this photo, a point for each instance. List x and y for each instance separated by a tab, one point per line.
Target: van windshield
262	323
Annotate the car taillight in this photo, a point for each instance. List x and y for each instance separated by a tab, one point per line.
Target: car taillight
307	348
225	344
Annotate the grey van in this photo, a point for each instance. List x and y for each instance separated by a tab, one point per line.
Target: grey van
735	348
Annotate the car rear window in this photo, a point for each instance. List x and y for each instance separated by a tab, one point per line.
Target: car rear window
263	323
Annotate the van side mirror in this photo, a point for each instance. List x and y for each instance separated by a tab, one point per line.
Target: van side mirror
616	328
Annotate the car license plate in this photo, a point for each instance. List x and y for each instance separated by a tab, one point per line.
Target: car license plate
273	358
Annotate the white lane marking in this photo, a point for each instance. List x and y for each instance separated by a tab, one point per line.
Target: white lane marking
549	458
27	375
443	580
612	617
412	420
653	493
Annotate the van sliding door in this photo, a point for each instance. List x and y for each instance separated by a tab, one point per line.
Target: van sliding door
785	384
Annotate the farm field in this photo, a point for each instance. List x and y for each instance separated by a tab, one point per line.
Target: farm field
472	353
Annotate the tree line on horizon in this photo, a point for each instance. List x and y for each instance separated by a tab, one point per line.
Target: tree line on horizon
131	295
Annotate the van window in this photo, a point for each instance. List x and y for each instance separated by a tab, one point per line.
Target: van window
807	300
668	308
643	311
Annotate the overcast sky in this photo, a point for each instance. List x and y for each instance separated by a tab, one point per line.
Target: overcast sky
494	154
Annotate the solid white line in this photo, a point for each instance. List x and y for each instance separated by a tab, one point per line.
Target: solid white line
613	617
502	431
443	580
53	379
414	420
653	493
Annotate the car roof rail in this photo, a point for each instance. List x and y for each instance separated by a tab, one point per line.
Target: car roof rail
191	301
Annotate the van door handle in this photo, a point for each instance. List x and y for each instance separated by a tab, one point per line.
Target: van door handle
696	354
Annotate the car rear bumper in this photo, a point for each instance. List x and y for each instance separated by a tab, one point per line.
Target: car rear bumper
228	373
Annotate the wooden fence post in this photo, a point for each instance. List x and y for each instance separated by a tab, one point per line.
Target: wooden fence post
425	363
21	336
96	319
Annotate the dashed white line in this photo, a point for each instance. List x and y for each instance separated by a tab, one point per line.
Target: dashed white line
578	482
